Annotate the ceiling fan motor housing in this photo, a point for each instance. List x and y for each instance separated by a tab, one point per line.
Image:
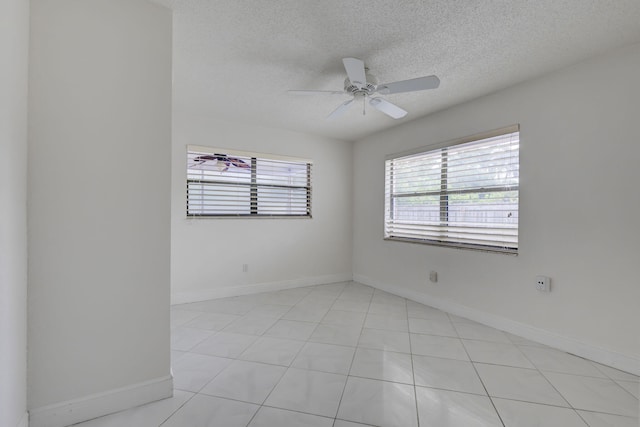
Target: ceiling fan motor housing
368	89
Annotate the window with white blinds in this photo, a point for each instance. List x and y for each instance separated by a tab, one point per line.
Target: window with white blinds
224	183
462	194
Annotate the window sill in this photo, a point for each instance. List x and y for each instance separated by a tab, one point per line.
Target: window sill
205	217
476	248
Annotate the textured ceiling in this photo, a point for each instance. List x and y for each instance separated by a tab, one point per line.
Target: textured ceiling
235	59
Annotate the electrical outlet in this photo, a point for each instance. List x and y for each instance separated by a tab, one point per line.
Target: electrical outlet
433	276
543	283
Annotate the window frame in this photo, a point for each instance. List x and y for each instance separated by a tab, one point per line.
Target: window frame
444	192
253	185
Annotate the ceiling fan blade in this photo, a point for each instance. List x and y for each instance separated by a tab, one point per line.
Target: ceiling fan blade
315	92
412	85
388	108
340	110
355	71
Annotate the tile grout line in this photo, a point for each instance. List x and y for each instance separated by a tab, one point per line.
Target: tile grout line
495	408
235	359
413	371
549	382
177	409
352	359
637	419
287	370
541	372
581	376
636	383
289	367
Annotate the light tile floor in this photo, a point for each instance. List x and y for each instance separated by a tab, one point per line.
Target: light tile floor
346	355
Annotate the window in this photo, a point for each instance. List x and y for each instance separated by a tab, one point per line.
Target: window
462	194
223	183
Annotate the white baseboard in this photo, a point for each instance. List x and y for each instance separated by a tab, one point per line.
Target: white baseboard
24	422
97	405
606	357
232	291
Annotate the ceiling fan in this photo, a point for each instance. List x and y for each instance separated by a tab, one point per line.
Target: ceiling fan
362	86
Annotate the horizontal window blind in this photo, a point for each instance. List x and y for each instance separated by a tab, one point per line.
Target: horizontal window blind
230	183
463	195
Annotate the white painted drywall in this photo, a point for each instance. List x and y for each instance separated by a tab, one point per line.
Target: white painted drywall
207	254
579	207
99	198
14	48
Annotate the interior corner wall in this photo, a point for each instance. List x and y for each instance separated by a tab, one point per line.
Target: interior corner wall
579	210
207	255
14	48
99	162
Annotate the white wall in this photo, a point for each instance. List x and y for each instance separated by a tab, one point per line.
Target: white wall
99	207
579	212
207	254
14	48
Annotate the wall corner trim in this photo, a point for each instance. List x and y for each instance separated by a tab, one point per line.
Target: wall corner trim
614	359
97	405
233	291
